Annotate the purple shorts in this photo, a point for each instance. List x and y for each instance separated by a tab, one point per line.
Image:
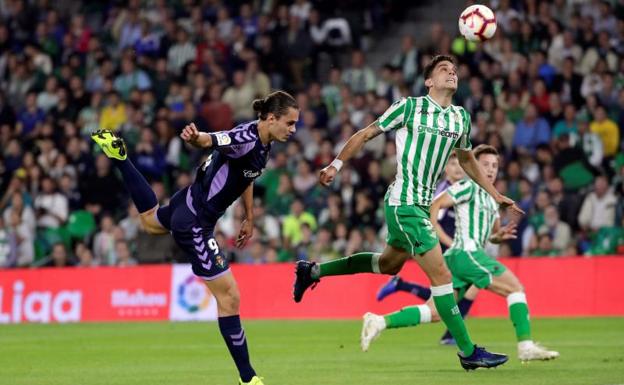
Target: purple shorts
194	235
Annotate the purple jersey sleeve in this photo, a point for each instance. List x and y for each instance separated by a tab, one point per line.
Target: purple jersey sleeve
234	143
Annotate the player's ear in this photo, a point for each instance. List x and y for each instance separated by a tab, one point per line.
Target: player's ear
428	83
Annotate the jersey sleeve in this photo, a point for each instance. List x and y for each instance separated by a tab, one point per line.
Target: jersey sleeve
234	143
393	117
461	191
464	140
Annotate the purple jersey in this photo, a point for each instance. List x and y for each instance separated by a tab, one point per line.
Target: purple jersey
237	160
446	217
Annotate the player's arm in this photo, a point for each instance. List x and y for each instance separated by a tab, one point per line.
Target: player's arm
501	234
191	135
230	143
246	230
353	146
391	119
468	162
443	201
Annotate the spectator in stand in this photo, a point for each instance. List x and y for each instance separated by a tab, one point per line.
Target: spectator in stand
559	231
21	223
531	131
359	77
598	209
240	96
51	206
608	132
292	225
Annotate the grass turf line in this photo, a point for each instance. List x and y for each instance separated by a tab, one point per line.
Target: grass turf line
302	353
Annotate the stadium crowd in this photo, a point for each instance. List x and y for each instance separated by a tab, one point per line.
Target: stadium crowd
547	91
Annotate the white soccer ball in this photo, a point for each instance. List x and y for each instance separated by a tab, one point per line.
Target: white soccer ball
477	23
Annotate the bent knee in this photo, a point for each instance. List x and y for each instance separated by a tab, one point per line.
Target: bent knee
150	223
441	276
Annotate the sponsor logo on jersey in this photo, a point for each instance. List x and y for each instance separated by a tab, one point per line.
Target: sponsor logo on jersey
435	131
223	139
251	173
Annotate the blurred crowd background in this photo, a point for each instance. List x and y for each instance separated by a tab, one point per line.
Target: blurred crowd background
547	91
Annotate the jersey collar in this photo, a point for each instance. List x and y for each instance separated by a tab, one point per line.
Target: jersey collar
444	109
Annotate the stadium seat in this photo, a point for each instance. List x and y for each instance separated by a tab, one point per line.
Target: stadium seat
81	224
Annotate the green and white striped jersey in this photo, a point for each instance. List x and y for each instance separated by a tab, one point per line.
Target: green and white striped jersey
475	214
426	134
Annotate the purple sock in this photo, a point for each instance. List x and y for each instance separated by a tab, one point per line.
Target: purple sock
235	339
140	191
419	291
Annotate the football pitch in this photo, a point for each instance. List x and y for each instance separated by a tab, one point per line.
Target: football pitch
302	353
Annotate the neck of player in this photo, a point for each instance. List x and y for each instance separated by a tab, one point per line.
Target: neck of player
442	97
265	134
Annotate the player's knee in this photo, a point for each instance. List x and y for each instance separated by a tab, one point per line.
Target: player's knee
230	300
152	227
517	287
441	276
391	269
390	266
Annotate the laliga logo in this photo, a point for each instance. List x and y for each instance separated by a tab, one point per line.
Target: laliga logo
193	295
42	306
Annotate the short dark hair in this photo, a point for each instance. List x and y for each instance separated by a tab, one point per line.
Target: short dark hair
276	103
434	62
484	149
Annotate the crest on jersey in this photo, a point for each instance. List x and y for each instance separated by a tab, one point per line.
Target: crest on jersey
220	262
223	139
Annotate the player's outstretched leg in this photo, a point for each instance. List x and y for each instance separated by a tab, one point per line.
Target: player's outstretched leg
507	285
396	284
140	191
408	316
310	273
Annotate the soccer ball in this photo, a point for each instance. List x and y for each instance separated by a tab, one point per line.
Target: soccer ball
477	23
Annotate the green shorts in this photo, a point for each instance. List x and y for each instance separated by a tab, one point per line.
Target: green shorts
472	268
409	228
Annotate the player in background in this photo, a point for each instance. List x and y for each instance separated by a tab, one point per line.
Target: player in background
477	221
428	129
446	220
237	159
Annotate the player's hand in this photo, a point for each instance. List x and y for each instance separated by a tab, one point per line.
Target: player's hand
245	233
327	175
508	203
190	134
510	231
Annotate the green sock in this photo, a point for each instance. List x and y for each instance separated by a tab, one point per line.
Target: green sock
449	313
357	263
519	314
408	316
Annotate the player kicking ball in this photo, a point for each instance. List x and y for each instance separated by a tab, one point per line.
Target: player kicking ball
238	158
428	129
476	221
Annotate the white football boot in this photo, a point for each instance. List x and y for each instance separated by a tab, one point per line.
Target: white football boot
531	351
371	329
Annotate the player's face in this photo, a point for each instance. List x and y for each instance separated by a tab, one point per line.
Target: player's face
489	165
282	128
444	76
453	170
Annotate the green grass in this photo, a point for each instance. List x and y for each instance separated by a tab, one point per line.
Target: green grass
302	353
